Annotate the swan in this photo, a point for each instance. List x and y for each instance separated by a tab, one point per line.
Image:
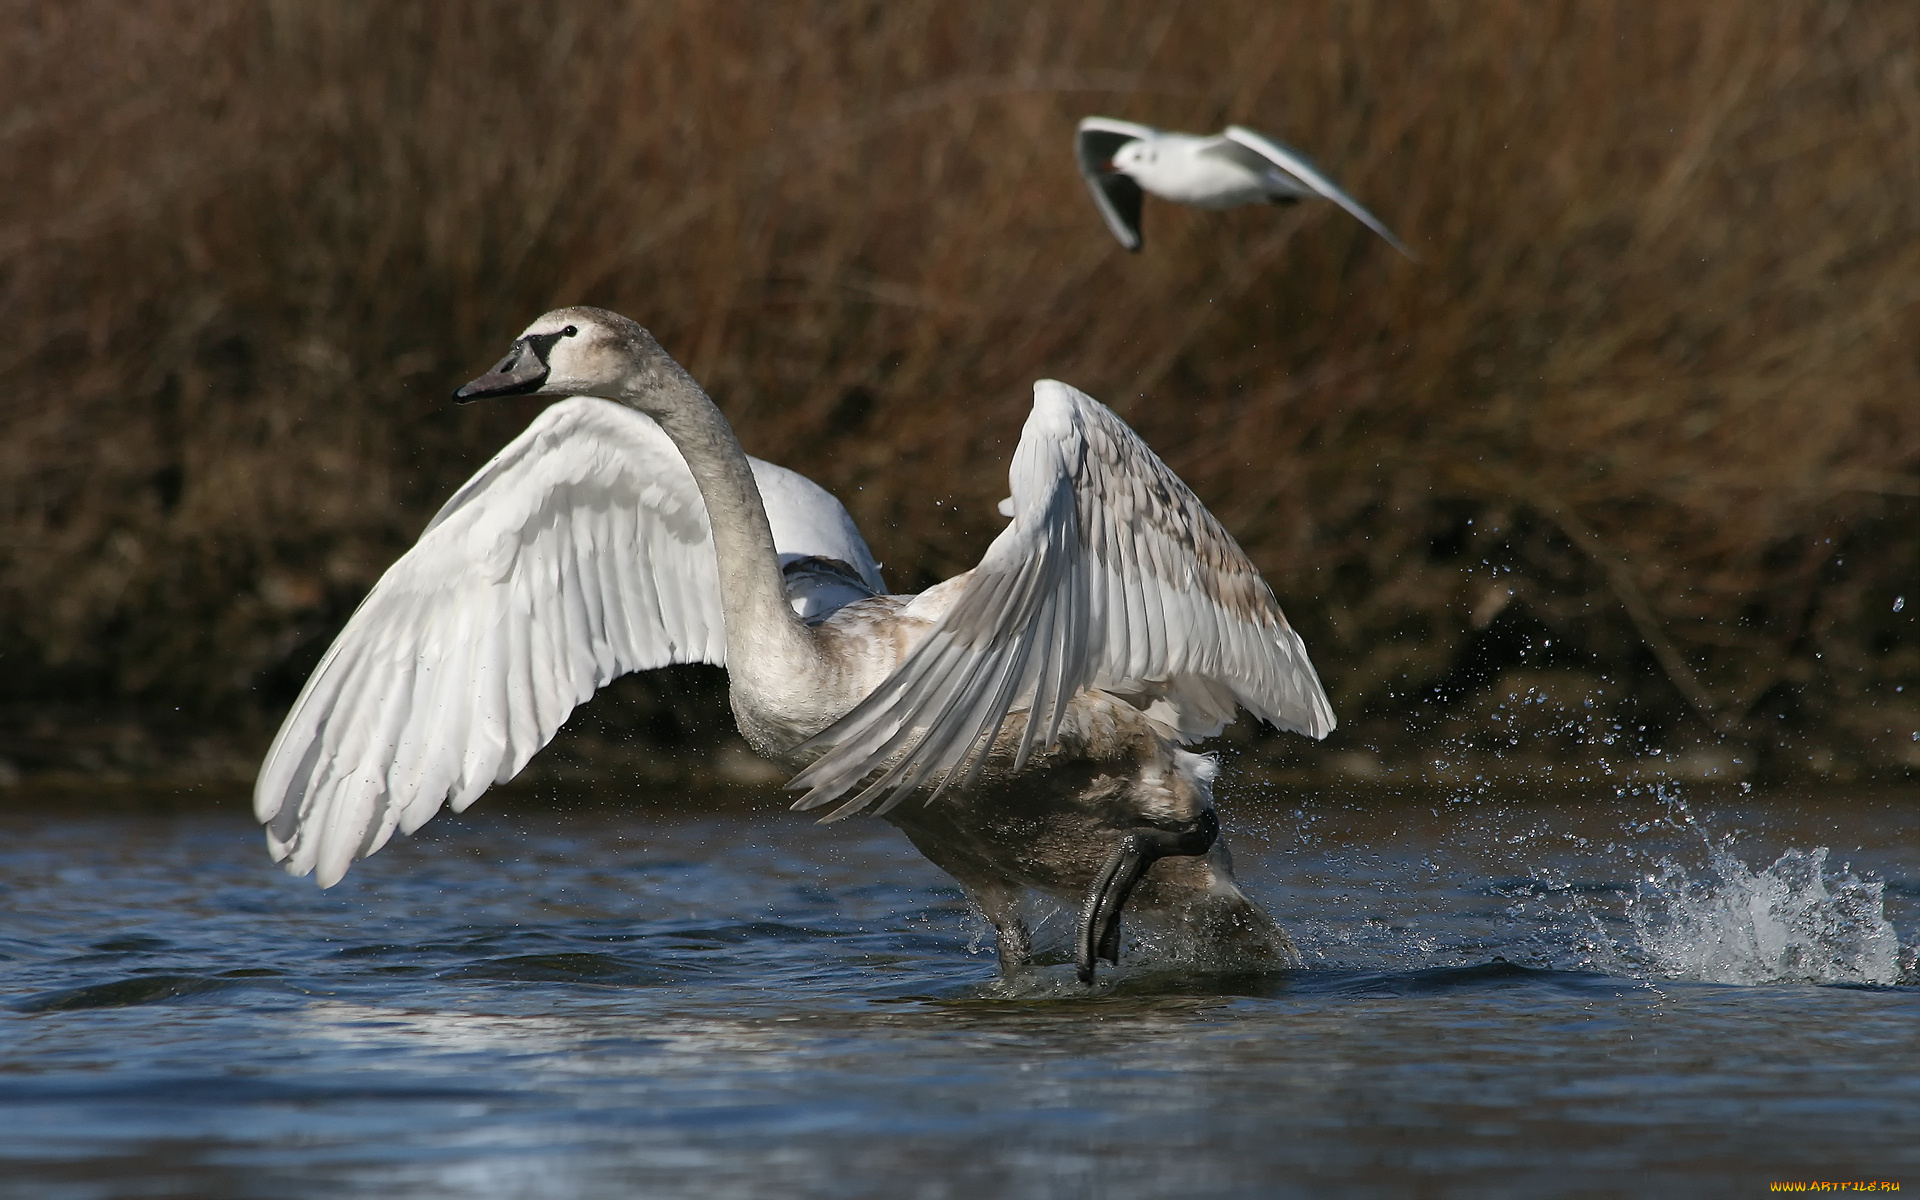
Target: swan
1022	723
1120	160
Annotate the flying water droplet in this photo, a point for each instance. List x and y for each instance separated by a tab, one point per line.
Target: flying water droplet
1792	922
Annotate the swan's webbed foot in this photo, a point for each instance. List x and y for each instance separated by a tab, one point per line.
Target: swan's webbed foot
1100	916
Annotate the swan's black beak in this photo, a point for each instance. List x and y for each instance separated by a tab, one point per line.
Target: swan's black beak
523	370
1100	916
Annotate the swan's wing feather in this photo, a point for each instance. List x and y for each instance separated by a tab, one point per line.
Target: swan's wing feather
808	522
1112	576
1119	198
1301	168
579	553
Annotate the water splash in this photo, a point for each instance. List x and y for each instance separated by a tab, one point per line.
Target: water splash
1793	922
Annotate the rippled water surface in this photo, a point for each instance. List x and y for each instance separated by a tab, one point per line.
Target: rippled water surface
1506	996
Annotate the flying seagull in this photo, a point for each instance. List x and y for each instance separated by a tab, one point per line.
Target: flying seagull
1121	160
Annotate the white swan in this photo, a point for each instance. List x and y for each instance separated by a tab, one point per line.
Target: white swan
1120	160
1047	690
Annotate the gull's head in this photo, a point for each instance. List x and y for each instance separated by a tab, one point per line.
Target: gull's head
1134	156
568	352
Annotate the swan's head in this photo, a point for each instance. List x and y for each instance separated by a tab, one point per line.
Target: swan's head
568	352
1134	156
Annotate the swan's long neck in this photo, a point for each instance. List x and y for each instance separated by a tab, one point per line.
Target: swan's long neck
770	652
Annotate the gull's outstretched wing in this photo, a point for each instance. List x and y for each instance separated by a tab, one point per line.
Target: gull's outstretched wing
1118	196
1112	576
579	553
1296	164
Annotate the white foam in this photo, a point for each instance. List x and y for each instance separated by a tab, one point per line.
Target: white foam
1793	922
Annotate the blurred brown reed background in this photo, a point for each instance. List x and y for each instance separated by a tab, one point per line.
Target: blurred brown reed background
1640	429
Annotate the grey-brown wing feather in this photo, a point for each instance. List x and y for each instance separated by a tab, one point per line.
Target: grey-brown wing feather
1113	575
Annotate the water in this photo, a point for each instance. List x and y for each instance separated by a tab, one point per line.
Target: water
1506	996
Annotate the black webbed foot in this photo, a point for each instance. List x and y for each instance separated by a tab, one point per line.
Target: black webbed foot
1100	916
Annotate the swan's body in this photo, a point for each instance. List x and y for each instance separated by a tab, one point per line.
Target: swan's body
1029	712
1120	160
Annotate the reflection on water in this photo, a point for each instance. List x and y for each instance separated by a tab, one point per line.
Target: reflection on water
1502	998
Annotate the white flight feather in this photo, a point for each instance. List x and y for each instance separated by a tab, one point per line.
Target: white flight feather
580	552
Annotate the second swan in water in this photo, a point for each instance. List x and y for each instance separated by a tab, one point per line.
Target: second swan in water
1023	723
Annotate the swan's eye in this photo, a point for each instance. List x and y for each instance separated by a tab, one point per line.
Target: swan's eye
569	331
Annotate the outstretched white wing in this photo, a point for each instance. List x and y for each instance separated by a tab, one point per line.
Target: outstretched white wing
579	553
1112	576
1297	165
1118	196
808	525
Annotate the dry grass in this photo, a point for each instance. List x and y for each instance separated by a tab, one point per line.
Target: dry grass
1655	374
